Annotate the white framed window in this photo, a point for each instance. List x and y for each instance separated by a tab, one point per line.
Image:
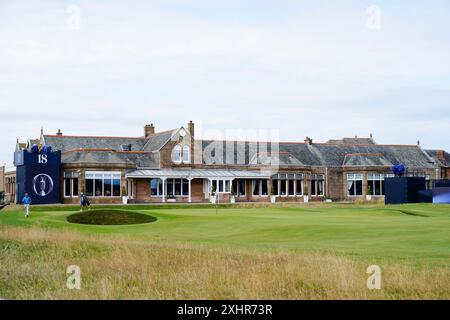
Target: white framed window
176	154
221	186
275	185
173	187
186	155
102	184
239	187
375	184
155	187
317	185
291	184
70	184
354	184
260	187
299	184
283	182
256	187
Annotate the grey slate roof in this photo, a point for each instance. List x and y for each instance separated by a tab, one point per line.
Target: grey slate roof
352	141
158	140
285	159
366	160
232	152
337	153
444	161
102	150
326	154
198	173
65	143
141	160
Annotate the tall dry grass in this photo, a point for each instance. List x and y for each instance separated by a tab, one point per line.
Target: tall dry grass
33	263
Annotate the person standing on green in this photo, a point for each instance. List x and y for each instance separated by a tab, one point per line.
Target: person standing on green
26	204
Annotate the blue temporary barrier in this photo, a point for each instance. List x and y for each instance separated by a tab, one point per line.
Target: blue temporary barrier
441	195
403	189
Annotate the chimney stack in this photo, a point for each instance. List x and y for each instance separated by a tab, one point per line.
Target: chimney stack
59	133
308	141
149	129
440	155
190	127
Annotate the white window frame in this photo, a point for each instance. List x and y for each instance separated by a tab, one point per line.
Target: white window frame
238	186
288	179
260	188
177	151
158	189
73	175
354	177
299	177
376	177
186	149
166	193
276	177
101	175
317	177
224	185
285	179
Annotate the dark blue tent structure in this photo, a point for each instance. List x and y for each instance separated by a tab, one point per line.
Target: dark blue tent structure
404	189
38	173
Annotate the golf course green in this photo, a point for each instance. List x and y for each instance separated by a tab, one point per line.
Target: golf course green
415	234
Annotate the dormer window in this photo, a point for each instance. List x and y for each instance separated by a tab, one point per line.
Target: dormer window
176	154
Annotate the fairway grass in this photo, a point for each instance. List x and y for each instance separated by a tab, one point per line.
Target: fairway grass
313	251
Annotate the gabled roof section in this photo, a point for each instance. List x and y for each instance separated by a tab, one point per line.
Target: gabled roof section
64	143
139	159
321	154
355	140
158	140
284	159
442	157
366	159
230	152
334	155
198	173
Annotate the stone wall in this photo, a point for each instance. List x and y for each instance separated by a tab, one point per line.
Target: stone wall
10	186
2	179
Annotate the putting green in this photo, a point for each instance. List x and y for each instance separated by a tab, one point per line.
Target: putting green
418	234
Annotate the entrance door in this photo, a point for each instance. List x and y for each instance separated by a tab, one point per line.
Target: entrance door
206	188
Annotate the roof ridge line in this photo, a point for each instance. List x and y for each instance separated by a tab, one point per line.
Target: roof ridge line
76	136
105	150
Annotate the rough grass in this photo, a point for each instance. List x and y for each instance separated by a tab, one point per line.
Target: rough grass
109	217
33	263
312	251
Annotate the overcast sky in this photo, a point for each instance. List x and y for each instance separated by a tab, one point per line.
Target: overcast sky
326	69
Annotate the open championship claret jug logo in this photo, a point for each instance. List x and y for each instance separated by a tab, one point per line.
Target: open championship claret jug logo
42	184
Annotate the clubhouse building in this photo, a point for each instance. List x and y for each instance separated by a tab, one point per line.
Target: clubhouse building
174	166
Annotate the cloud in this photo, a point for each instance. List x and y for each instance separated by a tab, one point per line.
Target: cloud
306	68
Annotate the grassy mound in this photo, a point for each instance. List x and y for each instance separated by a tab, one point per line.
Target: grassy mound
109	217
